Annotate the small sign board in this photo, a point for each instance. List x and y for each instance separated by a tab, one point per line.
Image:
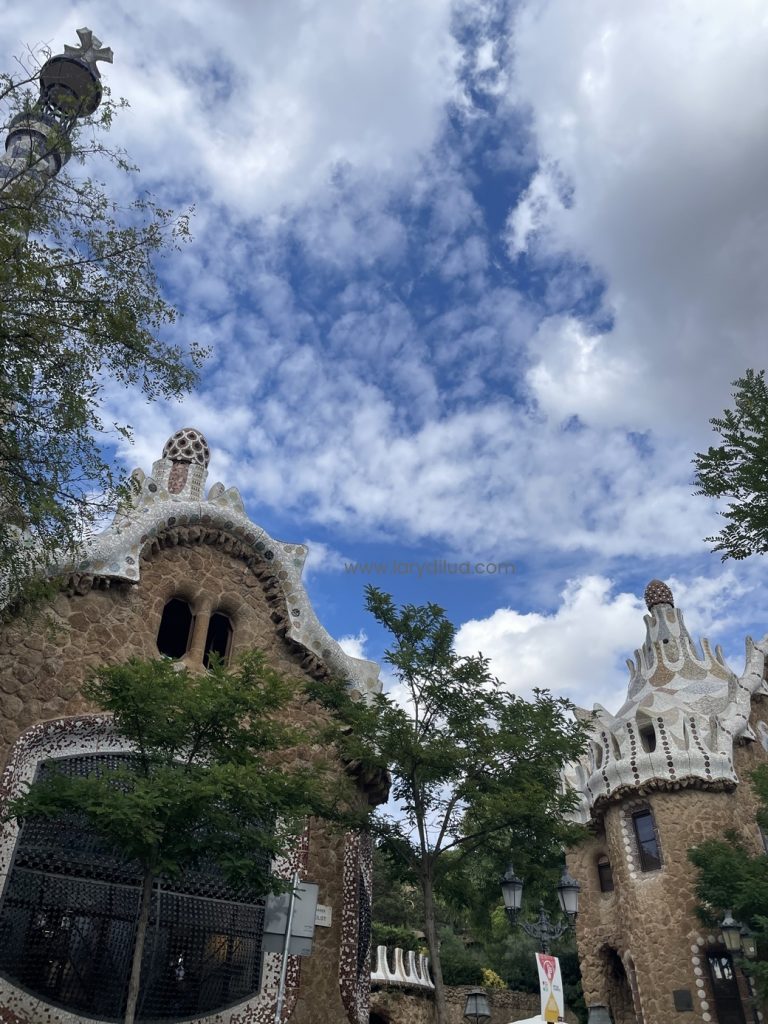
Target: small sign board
323	916
551	983
302	924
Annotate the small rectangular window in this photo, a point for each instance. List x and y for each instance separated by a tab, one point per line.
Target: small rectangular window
647	841
604	874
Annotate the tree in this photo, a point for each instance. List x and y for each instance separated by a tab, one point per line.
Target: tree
473	766
209	780
738	469
732	878
80	306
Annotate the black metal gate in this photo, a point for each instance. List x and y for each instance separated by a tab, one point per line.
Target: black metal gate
68	917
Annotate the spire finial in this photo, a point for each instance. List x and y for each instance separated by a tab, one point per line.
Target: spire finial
90	50
657	592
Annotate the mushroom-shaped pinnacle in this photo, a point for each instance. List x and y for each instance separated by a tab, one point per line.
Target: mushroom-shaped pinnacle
187	445
657	592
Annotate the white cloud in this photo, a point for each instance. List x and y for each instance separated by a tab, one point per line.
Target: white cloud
574	652
259	102
322	558
354	645
579	649
652	169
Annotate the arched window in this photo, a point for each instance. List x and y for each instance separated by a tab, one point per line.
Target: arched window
604	873
68	917
175	629
218	639
646	837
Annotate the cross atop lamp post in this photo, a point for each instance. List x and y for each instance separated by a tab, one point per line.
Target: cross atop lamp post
544	930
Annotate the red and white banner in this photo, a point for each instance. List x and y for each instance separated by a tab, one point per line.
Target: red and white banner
552	999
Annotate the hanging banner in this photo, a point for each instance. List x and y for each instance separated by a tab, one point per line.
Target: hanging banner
551	984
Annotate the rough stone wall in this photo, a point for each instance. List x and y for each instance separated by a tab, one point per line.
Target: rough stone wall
399	1006
649	919
44	662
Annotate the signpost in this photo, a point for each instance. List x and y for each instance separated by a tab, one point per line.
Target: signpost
289	928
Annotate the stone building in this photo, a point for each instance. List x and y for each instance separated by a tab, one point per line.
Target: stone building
181	573
670	769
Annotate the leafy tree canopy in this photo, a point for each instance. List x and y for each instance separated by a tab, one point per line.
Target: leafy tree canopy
80	306
218	775
738	469
474	766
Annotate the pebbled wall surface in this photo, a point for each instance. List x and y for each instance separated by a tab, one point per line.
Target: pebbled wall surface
46	657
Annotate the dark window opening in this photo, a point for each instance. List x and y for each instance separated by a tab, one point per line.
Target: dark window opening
68	918
647	841
648	738
218	639
605	874
175	629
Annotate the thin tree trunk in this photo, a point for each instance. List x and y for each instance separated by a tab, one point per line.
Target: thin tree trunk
434	949
138	946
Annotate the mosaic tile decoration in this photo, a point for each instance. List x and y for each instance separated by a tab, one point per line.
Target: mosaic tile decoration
171	505
685	708
355	959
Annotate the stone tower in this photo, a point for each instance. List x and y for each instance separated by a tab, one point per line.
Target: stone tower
669	770
180	573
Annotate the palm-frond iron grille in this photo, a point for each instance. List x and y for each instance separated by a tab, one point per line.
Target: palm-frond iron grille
68	919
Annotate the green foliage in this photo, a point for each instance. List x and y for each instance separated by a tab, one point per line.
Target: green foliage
732	878
738	469
80	306
460	965
474	767
393	936
492	980
204	783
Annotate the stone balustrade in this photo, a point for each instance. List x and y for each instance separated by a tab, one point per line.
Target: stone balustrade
409	970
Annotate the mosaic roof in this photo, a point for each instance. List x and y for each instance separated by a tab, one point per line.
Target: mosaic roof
685	707
173	498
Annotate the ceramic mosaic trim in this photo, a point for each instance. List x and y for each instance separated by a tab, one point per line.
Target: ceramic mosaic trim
170	507
685	708
354	970
94	734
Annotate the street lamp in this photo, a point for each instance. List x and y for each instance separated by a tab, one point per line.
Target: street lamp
477	1010
544	930
738	938
731	933
512	891
748	943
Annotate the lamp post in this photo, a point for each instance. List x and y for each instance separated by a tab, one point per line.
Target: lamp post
476	1009
544	930
37	145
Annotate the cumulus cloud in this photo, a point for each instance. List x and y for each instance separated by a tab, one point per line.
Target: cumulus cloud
258	103
579	649
354	645
322	558
652	172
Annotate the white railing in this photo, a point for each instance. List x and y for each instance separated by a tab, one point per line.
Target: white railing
408	969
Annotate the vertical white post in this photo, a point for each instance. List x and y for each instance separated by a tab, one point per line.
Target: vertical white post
286	947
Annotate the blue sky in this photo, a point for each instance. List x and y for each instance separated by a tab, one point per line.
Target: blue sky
475	276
